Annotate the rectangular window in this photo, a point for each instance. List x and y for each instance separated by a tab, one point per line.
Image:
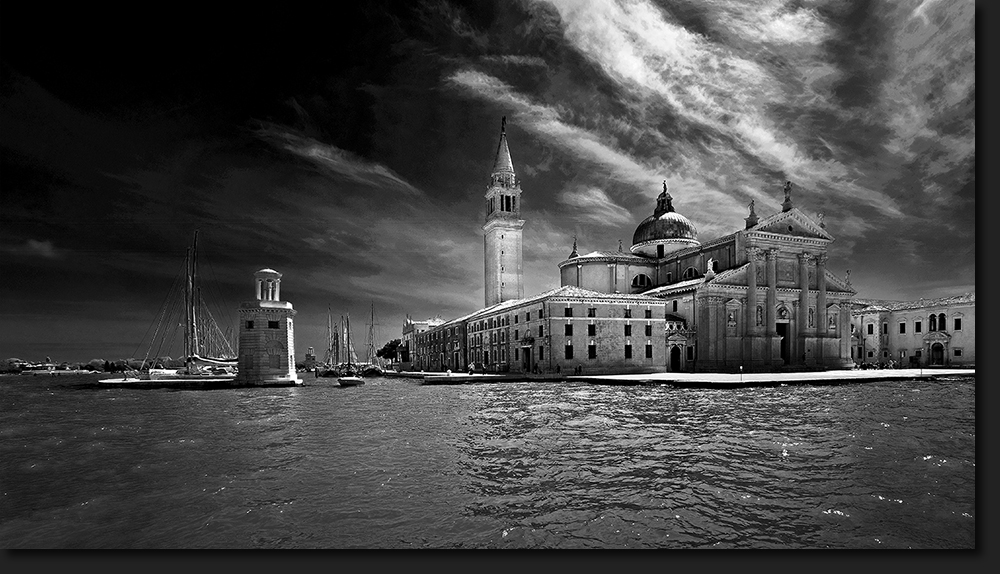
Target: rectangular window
541	313
569	330
541	353
541	330
885	328
516	353
871	328
649	330
628	330
516	316
902	328
591	351
516	331
690	353
592	312
871	353
675	302
275	361
958	325
917	353
649	351
569	351
591	330
568	312
628	313
917	326
628	351
649	313
249	324
958	352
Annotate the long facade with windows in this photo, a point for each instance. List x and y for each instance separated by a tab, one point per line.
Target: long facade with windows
564	330
924	333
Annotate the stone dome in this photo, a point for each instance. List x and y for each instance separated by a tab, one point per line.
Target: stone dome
664	231
670	225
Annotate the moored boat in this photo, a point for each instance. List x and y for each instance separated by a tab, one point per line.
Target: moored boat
350	378
202	339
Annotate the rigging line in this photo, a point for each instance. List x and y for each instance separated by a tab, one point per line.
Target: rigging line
212	330
173	316
163	310
216	285
163	306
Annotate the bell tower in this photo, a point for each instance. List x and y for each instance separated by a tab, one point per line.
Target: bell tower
502	231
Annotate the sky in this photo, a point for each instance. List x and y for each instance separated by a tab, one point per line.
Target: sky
350	149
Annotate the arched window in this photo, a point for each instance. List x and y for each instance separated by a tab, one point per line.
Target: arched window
641	280
933	323
941	322
690	273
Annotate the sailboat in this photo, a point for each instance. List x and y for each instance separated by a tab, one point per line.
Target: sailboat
332	357
349	379
208	352
372	368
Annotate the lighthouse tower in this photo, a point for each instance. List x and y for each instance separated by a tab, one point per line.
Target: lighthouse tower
267	339
502	230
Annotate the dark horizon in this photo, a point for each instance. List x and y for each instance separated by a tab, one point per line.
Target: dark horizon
350	151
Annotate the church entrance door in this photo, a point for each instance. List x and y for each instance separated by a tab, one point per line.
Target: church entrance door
783	333
675	359
937	354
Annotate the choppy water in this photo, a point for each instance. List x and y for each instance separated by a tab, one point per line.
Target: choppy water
394	464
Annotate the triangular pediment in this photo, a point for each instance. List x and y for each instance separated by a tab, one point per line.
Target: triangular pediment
834	283
792	222
734	276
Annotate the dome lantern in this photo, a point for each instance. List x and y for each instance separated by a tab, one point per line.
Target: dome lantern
664	231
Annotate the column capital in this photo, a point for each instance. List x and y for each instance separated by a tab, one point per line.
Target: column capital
821	259
754	253
772	253
805	257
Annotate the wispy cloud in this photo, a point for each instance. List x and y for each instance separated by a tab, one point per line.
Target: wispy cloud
335	160
35	248
593	205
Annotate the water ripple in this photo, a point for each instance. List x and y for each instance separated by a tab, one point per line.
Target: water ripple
528	465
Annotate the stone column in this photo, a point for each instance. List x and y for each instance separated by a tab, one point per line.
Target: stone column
821	318
751	310
772	289
804	259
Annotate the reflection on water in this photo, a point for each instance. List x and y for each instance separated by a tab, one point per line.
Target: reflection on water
394	464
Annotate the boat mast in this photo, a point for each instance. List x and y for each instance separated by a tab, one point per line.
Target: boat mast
187	308
196	295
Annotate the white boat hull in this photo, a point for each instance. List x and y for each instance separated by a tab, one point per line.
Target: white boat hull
350	381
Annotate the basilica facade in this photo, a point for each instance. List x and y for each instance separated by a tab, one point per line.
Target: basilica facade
758	299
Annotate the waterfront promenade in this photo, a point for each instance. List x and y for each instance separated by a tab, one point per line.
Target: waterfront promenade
699	380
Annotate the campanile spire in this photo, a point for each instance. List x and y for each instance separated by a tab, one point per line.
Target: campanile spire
502	230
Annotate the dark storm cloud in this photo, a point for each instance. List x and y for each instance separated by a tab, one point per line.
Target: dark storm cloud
860	48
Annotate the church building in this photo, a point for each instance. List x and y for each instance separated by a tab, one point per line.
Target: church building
758	299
